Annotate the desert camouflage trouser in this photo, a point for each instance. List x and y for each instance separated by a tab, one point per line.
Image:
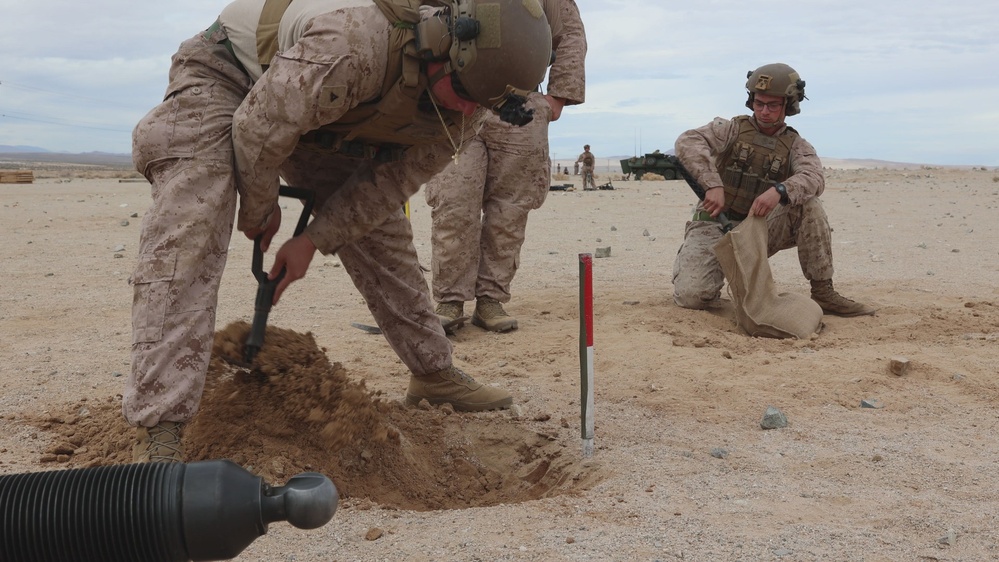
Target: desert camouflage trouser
480	205
184	148
698	277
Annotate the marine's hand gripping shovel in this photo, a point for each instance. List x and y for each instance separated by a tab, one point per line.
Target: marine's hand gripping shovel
266	287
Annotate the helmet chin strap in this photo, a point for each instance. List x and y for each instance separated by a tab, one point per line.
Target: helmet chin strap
444	70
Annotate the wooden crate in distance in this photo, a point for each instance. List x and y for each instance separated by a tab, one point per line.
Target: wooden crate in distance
17	176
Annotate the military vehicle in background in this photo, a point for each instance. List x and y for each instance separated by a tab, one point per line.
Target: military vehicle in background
652	163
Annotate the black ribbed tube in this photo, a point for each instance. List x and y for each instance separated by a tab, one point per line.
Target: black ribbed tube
209	510
127	513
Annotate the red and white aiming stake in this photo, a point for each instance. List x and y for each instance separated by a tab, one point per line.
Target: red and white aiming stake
586	351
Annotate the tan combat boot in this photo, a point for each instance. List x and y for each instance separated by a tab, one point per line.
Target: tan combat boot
453	386
835	303
160	443
489	315
450	311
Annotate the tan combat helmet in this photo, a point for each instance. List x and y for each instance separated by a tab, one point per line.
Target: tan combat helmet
498	50
777	79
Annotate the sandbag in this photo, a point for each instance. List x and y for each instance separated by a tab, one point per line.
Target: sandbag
759	309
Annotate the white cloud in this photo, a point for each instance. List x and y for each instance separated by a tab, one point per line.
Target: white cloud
908	80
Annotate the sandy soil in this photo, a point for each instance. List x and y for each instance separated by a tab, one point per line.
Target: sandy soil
682	468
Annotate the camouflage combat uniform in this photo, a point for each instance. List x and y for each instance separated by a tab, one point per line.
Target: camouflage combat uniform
220	108
588	161
697	275
480	202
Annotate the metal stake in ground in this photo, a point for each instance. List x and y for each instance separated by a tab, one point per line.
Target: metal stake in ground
586	351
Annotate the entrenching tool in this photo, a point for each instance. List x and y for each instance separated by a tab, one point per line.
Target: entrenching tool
266	287
697	189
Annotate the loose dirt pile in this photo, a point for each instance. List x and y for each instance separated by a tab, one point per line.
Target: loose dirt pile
294	411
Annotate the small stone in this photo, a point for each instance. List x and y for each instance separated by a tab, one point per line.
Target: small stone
570	540
613	229
124	222
719	453
949	539
773	419
373	534
119	248
871	403
603	252
899	365
645	232
134	215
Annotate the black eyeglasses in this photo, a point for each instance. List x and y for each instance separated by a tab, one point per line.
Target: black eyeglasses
772	106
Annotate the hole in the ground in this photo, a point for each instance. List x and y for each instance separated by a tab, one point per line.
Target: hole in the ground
297	412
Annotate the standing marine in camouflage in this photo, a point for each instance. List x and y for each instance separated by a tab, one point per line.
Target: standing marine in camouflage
757	165
360	100
589	162
480	202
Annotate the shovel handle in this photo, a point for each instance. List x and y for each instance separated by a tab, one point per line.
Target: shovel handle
265	286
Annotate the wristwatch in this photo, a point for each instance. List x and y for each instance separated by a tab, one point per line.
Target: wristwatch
782	191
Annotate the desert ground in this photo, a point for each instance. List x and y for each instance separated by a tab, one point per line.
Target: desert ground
682	468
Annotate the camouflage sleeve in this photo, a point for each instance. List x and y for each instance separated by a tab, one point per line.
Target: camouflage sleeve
699	148
312	84
807	179
567	76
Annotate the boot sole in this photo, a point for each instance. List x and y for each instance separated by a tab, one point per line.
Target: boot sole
500	328
462	406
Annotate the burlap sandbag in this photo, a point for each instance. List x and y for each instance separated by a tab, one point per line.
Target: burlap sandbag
759	309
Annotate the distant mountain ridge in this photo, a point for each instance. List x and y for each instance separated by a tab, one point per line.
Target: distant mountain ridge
25	155
10	154
6	148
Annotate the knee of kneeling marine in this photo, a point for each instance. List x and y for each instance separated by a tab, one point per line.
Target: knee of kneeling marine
695	300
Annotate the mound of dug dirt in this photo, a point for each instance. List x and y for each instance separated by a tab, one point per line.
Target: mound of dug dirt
294	411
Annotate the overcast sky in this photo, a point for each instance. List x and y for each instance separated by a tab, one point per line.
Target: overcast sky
900	80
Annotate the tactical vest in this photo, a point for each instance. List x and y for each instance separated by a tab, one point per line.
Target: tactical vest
588	159
383	128
752	164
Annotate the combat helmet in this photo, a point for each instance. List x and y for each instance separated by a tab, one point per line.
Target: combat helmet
777	79
497	52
